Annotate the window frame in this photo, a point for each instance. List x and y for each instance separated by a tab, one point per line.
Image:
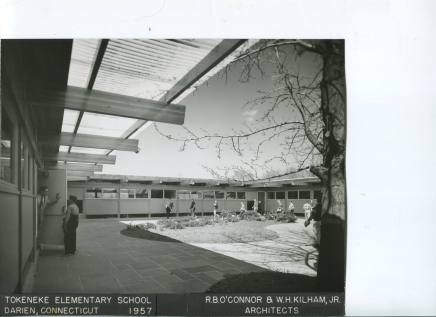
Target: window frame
5	112
304	191
220	192
129	190
231	198
142	191
186	194
156	190
207	193
243	198
171	191
293	191
284	195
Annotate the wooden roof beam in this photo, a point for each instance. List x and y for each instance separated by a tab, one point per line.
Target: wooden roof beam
80	157
92	141
95	101
74	166
79	173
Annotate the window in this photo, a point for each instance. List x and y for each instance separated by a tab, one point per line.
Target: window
219	194
109	193
183	194
317	194
304	194
208	194
127	193
280	195
170	194
271	195
196	195
293	194
93	193
141	193
6	151
230	195
241	195
156	193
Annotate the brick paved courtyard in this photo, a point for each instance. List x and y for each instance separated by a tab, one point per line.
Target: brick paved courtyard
108	262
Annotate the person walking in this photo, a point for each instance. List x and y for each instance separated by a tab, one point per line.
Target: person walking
315	215
71	222
192	208
291	212
168	208
215	209
307	208
242	209
291	208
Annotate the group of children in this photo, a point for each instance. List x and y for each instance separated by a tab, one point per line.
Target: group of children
312	212
169	207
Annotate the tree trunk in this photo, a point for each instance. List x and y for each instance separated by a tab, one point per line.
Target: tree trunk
331	262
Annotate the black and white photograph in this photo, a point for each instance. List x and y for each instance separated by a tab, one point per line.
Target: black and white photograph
217	158
173	166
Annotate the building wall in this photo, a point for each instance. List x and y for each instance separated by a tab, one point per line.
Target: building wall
148	206
17	202
9	242
52	231
27	228
100	206
135	206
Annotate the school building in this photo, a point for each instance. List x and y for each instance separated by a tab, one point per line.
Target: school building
66	105
133	196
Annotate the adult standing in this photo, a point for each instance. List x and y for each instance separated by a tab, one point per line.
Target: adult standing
315	215
192	208
71	222
44	202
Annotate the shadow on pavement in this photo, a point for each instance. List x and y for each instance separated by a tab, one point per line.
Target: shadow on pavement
147	235
264	282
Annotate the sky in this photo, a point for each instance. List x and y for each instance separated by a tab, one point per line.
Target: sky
218	106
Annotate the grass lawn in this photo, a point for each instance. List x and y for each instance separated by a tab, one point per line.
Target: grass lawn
242	231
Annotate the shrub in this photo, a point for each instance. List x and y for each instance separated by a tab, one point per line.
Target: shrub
286	217
229	216
252	215
145	226
170	224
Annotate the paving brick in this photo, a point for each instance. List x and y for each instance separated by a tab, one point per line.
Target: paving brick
184	275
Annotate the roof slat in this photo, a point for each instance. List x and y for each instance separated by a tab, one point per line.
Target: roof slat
113	104
92	141
80	157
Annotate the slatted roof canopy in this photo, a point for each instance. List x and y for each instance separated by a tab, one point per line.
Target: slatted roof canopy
148	68
82	60
159	70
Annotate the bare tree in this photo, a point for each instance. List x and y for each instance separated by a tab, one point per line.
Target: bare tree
312	134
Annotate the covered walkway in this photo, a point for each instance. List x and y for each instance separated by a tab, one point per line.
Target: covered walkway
109	262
